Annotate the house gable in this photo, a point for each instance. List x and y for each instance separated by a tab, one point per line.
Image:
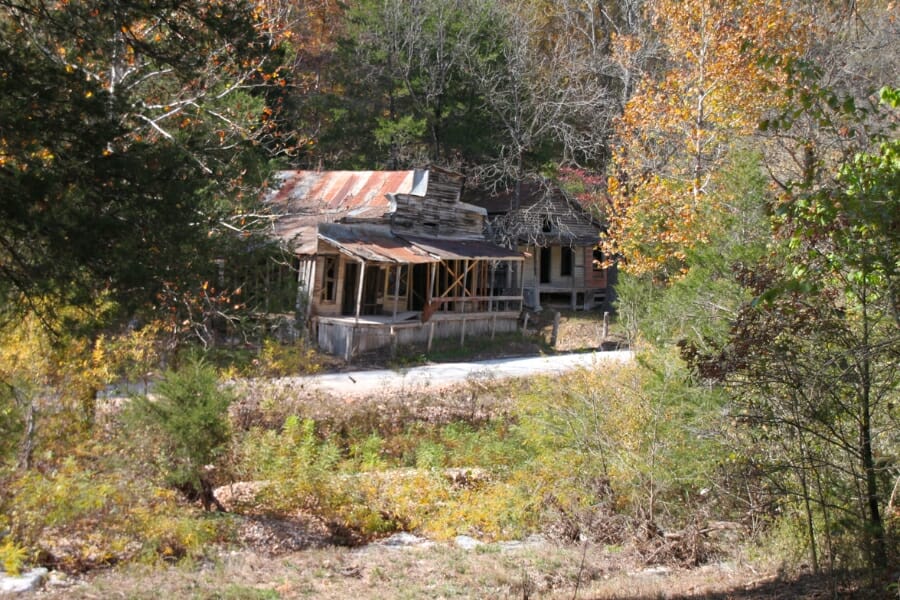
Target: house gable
543	215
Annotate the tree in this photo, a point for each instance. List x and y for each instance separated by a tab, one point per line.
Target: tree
679	127
190	412
49	373
128	140
552	85
402	93
813	359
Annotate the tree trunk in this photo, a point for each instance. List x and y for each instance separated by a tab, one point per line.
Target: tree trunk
875	525
26	449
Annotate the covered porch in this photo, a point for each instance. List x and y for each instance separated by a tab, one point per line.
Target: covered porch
378	290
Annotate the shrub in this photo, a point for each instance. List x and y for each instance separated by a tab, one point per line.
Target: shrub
12	556
86	511
279	360
190	415
298	466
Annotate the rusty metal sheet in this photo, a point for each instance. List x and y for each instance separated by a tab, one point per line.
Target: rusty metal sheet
373	246
464	249
301	199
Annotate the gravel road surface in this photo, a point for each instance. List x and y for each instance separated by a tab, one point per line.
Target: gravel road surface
440	375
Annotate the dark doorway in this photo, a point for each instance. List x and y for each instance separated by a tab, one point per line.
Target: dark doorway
351	277
566	259
419	287
545	265
373	291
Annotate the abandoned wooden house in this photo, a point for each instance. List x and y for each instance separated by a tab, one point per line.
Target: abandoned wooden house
393	257
559	239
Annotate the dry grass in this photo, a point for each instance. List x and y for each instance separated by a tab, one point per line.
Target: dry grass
266	403
433	571
444	571
295	557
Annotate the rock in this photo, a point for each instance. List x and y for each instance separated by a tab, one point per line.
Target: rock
399	540
535	539
655	571
511	545
26	582
240	493
58	579
466	477
466	543
532	541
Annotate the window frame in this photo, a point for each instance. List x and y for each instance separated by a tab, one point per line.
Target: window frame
329	281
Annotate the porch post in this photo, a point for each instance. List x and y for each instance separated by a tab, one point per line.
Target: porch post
571	252
491	287
359	289
521	284
465	287
491	298
397	292
394	317
434	270
301	271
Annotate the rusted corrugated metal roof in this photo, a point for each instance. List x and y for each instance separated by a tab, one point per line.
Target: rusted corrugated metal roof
372	245
302	199
464	249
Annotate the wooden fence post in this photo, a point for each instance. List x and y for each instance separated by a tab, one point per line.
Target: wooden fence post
555	334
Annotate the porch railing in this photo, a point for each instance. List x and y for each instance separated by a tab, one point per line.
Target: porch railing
474	304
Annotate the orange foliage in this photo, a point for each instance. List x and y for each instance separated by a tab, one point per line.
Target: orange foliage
677	128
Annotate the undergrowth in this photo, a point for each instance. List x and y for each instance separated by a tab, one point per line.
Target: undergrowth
616	456
86	510
587	455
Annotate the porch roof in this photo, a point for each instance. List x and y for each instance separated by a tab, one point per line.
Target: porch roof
374	246
464	249
381	246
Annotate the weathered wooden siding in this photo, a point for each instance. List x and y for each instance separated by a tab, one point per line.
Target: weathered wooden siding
593	278
445	186
394	303
436	217
306	283
567	220
324	307
336	336
582	276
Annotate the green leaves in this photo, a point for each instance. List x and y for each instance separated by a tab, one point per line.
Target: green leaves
848	231
123	129
190	412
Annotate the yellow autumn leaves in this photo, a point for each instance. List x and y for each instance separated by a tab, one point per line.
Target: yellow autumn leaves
677	129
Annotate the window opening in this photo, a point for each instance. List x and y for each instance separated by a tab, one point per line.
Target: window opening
329	279
565	261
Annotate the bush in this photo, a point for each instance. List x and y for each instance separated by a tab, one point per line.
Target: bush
86	511
12	557
644	430
279	360
189	413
